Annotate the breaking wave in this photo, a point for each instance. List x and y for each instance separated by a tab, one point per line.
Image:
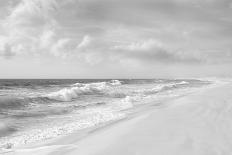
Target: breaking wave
163	87
107	89
63	95
99	88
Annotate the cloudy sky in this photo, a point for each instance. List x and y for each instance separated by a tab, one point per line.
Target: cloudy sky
115	38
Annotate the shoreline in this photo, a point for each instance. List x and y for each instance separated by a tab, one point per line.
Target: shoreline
73	141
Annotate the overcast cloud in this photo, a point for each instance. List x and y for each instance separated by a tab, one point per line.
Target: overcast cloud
138	34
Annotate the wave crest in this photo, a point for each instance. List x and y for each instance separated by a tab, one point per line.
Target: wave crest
68	94
163	87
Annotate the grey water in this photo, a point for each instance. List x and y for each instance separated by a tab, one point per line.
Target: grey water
37	109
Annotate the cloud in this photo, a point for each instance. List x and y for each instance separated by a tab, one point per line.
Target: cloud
32	13
153	50
95	51
27	28
46	38
85	42
174	31
6	51
63	48
140	46
230	5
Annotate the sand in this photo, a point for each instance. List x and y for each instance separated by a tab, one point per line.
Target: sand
197	124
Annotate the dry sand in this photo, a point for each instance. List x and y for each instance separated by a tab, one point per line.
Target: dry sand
196	124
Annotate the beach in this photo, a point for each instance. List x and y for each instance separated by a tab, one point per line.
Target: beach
115	77
198	123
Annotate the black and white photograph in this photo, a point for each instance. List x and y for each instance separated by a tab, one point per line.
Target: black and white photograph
115	77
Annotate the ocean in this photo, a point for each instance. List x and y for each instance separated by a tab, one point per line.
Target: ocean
33	110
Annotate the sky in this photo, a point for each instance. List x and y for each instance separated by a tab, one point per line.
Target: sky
115	38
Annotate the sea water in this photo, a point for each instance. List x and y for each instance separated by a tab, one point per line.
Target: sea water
38	109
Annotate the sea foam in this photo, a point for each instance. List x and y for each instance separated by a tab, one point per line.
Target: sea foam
68	94
163	87
90	118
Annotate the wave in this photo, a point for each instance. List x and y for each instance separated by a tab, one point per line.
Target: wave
129	102
108	89
105	88
66	94
99	88
17	103
163	87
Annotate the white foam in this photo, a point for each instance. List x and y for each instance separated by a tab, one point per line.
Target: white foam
67	94
162	87
90	118
126	103
115	82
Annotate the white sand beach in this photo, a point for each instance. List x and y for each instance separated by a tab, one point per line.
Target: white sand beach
196	124
115	77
